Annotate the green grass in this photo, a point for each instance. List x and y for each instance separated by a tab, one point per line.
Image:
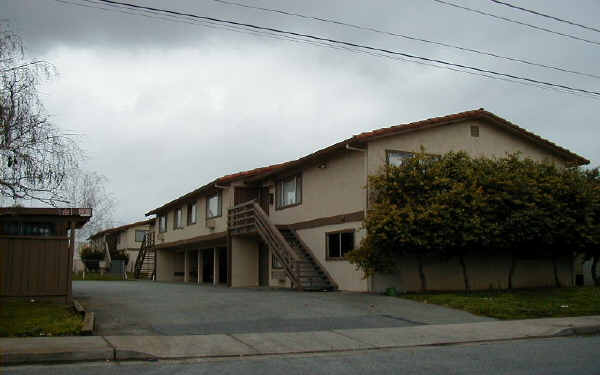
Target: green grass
20	317
519	304
95	276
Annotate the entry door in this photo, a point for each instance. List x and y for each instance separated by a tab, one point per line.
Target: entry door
245	194
208	261
263	266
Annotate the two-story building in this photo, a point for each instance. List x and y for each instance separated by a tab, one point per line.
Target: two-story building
125	238
291	224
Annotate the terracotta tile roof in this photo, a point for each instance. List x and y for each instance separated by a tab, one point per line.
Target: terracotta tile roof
121	228
362	138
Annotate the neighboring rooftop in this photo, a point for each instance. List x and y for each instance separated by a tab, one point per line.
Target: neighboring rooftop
121	228
362	138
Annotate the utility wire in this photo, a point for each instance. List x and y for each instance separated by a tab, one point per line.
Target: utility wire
363	48
409	37
171	18
540	28
545	15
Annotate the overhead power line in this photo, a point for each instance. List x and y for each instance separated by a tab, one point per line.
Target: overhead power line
540	28
595	94
409	37
545	15
213	25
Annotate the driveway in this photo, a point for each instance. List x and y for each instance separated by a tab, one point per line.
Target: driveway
155	308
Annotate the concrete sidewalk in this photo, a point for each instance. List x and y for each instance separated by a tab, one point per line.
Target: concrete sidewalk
68	349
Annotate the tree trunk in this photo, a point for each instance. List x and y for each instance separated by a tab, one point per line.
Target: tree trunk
595	271
464	270
511	272
422	274
555	267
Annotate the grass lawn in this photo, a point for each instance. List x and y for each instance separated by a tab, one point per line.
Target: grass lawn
519	304
95	276
24	318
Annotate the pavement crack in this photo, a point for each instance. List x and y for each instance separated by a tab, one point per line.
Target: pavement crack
112	346
242	342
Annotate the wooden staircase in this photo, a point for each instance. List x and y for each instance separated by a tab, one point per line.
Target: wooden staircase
301	266
145	264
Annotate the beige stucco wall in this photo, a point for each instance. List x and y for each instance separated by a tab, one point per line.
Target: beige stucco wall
483	272
334	190
492	142
165	265
244	262
127	238
198	229
344	273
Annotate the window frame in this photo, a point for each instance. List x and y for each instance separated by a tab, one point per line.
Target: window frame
339	233
162	229
192	219
136	232
219	205
389	152
279	191
178	218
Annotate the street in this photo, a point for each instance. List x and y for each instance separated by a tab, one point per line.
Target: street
571	355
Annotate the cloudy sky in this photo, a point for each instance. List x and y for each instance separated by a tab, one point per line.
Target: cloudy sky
164	106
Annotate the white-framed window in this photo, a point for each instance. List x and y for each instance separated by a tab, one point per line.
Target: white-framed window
162	223
396	158
339	243
213	206
178	222
139	235
289	192
192	213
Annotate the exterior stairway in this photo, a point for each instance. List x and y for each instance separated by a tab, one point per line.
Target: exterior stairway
301	266
145	264
311	274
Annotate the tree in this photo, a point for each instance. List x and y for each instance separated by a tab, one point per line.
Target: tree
455	205
88	189
35	156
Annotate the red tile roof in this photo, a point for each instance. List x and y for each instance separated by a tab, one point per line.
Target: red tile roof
362	138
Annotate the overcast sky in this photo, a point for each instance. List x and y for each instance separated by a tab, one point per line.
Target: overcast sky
162	107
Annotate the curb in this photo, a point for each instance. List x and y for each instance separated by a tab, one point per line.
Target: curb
581	330
88	319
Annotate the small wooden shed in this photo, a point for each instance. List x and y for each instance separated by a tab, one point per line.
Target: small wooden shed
36	250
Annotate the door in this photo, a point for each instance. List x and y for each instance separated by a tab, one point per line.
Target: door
208	261
263	265
245	194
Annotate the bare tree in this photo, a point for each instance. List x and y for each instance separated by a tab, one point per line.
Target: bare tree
35	156
88	189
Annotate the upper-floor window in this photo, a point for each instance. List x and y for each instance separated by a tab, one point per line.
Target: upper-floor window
213	206
339	243
289	192
162	223
396	158
139	235
27	228
178	222
192	214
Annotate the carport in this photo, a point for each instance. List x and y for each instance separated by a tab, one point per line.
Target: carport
36	251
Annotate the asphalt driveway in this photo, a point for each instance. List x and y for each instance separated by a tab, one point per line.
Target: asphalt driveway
155	308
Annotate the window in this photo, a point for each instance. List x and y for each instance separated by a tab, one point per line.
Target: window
213	206
289	192
162	224
178	222
139	235
191	214
28	229
275	263
339	243
474	131
396	158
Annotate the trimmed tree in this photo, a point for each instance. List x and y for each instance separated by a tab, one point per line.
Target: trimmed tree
454	206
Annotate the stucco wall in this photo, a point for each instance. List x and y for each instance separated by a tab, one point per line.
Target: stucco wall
199	228
244	262
483	272
336	189
127	238
344	273
492	142
165	265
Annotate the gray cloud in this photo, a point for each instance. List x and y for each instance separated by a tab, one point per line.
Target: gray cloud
164	107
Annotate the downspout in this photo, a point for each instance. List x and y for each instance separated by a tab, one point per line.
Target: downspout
366	201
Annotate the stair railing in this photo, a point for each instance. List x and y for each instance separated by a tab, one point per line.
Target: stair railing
249	217
147	244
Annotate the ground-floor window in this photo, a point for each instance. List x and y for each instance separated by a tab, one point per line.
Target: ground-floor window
339	244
